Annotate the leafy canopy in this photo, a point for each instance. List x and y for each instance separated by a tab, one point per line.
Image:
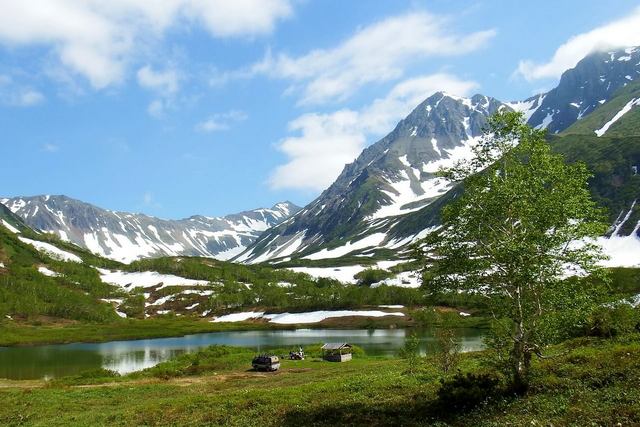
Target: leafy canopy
524	220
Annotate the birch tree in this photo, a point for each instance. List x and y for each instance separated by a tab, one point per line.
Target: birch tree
524	220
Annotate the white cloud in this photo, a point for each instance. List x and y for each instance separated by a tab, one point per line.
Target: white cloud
624	32
326	142
224	18
50	148
165	82
376	53
18	96
221	121
98	39
156	108
29	97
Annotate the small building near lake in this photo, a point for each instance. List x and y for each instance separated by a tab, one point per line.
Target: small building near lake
336	352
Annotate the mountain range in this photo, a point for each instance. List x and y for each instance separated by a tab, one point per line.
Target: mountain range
126	236
390	196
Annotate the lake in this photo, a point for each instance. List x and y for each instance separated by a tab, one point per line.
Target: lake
50	361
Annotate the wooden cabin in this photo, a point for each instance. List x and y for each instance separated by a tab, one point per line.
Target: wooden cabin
336	352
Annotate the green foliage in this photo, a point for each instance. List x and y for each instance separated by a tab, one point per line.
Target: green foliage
614	321
27	293
133	306
211	359
237	286
369	276
448	354
508	237
410	352
95	376
613	184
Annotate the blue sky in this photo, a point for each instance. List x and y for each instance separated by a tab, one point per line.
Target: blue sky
182	107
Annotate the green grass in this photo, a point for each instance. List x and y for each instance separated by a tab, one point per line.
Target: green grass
597	382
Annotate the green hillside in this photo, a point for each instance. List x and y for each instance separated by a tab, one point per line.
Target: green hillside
614	157
74	293
627	125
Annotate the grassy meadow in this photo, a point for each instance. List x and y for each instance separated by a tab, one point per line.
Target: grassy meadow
592	381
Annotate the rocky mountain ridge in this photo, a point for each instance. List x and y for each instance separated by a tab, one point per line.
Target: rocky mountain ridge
125	236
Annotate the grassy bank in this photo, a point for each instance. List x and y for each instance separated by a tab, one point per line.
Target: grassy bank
27	333
596	382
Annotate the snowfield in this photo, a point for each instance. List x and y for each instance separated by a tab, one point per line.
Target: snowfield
239	317
623	251
406	279
624	110
373	240
342	274
51	250
10	227
145	279
47	272
300	318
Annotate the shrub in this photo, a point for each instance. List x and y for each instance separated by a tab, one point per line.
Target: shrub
370	276
466	391
410	352
610	322
448	353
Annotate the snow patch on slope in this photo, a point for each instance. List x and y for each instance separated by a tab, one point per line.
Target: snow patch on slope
617	116
302	318
10	227
47	272
51	250
623	251
528	107
370	241
145	279
342	274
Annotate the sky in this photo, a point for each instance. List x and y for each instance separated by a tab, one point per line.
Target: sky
180	107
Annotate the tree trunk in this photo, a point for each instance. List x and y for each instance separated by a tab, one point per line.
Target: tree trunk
520	363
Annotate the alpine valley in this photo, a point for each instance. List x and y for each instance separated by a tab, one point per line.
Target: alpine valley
391	195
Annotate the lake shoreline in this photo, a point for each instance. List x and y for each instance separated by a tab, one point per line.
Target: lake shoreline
125	357
23	333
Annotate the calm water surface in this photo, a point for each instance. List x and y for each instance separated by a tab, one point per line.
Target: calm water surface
49	361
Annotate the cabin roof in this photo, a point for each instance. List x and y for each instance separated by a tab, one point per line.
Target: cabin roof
336	346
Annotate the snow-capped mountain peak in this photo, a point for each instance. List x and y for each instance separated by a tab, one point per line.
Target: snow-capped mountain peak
125	236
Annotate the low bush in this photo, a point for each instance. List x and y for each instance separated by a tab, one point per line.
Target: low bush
609	322
466	391
370	276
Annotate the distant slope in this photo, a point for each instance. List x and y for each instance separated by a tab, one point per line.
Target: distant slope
620	117
389	197
608	140
42	277
393	177
10	220
582	89
125	237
